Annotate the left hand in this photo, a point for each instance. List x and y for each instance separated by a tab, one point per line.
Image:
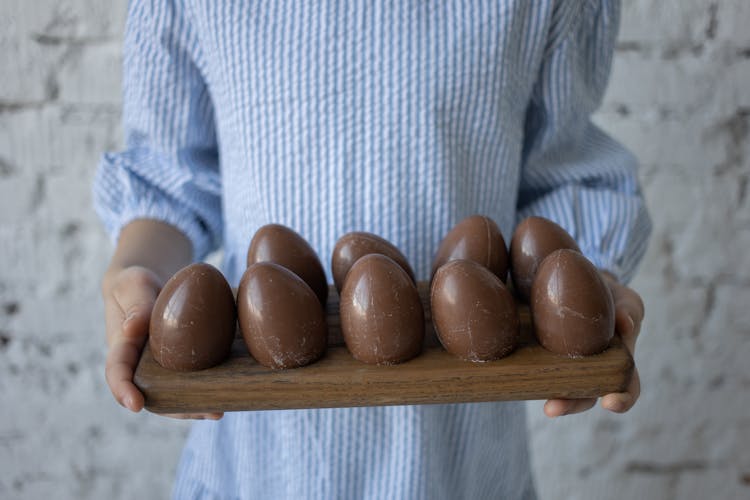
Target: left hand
629	312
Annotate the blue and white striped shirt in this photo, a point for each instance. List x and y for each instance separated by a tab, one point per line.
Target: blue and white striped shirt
396	117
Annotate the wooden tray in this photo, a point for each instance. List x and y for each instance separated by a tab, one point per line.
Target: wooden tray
338	380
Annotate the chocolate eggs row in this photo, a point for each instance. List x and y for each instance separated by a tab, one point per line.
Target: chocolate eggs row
282	293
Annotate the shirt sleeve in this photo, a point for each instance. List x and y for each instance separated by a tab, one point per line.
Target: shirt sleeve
572	171
169	168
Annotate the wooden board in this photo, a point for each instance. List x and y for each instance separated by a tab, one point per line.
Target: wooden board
338	380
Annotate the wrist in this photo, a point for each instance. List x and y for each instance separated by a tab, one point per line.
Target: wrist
157	246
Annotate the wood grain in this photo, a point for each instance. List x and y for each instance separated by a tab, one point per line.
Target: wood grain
338	380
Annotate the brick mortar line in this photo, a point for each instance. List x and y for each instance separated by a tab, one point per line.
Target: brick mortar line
55	40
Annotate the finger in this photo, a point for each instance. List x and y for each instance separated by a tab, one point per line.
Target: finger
116	373
137	318
193	416
113	318
122	358
559	407
628	315
128	307
136	295
628	300
620	402
627	329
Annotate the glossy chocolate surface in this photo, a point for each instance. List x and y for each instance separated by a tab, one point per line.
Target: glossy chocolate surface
533	240
280	317
475	238
193	320
281	245
571	305
352	246
474	313
382	319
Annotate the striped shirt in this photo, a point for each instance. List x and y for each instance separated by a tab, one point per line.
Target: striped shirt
395	117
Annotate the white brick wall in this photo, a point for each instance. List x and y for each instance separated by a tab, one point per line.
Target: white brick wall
679	97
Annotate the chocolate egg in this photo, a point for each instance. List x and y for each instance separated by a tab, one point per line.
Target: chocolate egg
280	245
382	319
571	305
475	238
193	320
474	314
280	317
352	246
533	240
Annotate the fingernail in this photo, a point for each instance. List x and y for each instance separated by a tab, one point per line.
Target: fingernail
129	403
616	407
545	411
632	323
619	405
564	412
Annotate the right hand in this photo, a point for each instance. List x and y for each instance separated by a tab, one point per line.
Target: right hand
129	295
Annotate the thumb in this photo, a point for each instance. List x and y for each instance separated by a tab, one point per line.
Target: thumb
136	293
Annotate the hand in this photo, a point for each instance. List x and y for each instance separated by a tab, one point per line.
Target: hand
129	295
629	311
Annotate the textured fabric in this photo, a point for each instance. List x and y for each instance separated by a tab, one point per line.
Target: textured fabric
399	118
448	452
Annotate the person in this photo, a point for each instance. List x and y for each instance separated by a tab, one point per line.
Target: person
395	117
